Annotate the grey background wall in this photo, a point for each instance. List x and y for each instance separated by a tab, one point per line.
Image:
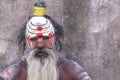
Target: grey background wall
92	33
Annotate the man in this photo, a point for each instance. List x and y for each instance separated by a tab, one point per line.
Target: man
40	41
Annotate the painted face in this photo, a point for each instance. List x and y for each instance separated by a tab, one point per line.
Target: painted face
39	33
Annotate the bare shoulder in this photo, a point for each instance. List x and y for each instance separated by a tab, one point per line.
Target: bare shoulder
13	71
71	65
74	69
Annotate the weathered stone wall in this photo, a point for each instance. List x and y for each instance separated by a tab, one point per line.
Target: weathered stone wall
92	32
13	14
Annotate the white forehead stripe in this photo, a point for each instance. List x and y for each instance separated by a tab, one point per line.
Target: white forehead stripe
38	20
35	22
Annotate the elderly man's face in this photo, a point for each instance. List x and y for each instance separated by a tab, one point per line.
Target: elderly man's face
39	33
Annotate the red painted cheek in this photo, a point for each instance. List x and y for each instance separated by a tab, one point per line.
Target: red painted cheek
50	40
51	35
28	40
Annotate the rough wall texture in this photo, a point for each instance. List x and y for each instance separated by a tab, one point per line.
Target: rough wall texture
92	32
13	15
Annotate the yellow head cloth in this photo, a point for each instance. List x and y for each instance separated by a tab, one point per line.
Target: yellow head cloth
39	9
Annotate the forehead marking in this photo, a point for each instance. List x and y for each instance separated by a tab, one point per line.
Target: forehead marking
39	35
39	28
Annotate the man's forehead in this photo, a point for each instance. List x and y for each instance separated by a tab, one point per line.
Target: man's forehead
39	26
38	21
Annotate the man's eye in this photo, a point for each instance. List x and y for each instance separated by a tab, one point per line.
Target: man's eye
33	39
45	37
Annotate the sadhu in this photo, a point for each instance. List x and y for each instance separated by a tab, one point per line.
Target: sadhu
40	42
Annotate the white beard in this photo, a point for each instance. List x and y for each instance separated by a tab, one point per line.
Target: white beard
42	69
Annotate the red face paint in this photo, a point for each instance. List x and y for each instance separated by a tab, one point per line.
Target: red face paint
51	35
39	35
39	28
6	71
28	40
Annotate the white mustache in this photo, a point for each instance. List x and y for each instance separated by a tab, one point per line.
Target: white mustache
46	51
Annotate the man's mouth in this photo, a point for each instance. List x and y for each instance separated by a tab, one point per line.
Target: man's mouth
40	54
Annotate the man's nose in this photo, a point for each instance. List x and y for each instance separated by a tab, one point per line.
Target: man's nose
40	44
